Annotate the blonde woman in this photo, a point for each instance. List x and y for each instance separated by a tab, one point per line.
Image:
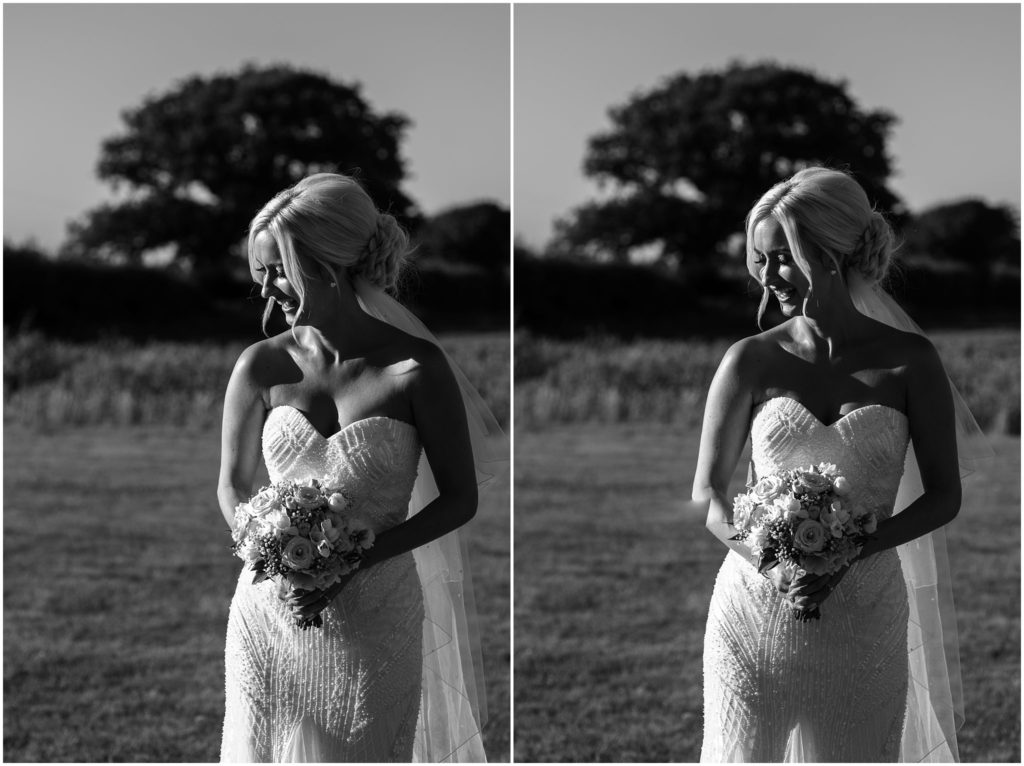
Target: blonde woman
845	379
355	392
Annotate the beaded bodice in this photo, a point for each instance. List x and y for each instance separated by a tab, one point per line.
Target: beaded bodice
374	461
868	446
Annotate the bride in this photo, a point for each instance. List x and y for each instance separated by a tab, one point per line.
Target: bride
356	392
846	379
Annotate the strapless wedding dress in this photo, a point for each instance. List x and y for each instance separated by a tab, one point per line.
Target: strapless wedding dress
833	689
349	691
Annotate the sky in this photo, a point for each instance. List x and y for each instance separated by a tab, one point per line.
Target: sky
70	70
951	74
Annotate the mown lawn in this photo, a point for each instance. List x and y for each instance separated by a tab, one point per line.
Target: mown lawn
117	580
613	579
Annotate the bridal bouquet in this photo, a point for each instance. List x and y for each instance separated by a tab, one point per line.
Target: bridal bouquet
298	534
799	519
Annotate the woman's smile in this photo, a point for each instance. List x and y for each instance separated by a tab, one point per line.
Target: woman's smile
785	294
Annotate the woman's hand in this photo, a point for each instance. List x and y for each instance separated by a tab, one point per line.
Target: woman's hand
306	605
807	592
781	577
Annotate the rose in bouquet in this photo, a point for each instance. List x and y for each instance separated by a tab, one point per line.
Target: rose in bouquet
298	534
801	519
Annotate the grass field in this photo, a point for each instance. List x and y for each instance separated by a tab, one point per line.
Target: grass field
117	580
603	380
612	584
51	384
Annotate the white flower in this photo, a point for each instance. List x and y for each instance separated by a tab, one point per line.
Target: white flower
768	488
840	511
810	483
742	507
242	519
338	502
828	469
264	502
323	547
790	509
330	532
809	537
758	540
279	520
360	534
298	553
248	552
307	497
343	544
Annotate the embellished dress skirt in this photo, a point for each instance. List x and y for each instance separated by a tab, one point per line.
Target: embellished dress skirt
826	690
346	692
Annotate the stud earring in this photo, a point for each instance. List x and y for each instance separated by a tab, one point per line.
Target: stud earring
332	284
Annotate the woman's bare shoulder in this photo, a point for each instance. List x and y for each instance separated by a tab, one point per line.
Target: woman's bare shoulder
264	360
756	349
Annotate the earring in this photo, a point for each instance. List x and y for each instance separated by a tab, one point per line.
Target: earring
335	284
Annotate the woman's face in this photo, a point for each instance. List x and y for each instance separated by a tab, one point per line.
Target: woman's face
771	263
271	277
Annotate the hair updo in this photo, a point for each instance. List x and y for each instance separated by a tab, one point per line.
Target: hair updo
385	252
828	210
328	223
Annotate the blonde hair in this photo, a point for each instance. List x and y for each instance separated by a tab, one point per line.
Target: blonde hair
328	223
828	210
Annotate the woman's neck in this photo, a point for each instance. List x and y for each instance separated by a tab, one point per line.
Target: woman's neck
832	326
339	329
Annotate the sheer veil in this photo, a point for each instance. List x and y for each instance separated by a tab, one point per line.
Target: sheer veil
935	709
453	705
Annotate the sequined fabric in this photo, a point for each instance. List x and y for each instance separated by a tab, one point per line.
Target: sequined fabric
349	691
833	689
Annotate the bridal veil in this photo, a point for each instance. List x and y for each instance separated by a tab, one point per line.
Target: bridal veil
935	709
453	705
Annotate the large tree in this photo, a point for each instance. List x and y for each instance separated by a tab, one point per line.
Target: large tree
200	160
682	163
969	232
475	234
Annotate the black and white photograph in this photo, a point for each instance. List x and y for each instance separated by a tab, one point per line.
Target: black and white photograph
514	382
766	383
257	382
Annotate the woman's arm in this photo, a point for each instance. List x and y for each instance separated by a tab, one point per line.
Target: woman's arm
723	434
933	434
440	419
242	425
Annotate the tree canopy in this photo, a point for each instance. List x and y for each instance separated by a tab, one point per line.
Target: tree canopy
200	160
683	163
969	232
475	234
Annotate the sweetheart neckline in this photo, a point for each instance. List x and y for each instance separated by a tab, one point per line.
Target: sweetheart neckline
841	418
315	430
